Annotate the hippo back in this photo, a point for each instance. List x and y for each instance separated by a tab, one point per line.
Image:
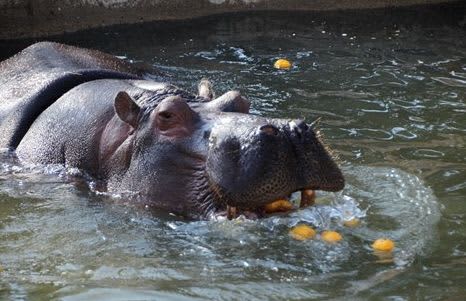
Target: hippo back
34	78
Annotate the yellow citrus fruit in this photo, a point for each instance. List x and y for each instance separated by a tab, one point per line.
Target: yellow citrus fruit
278	206
282	64
302	232
383	244
331	236
352	223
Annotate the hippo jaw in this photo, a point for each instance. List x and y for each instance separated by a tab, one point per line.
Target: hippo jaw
248	169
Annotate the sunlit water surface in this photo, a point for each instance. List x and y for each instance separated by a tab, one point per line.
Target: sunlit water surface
390	90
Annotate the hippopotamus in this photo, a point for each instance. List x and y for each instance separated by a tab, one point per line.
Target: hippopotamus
194	155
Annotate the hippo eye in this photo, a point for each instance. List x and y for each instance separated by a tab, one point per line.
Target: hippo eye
166	115
174	118
167	120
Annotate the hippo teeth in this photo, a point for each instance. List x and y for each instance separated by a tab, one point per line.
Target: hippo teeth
231	212
308	197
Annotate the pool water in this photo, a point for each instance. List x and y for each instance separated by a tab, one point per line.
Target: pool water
390	89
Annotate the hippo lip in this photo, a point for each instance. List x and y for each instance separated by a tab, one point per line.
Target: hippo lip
233	209
337	184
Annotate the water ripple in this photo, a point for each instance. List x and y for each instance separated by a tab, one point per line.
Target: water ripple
449	81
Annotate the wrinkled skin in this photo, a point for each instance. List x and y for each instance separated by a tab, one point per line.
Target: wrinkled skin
188	154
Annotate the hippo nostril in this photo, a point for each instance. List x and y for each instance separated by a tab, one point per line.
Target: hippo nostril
302	125
298	126
269	130
295	129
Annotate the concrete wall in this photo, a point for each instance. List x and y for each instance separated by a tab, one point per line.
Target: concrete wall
36	18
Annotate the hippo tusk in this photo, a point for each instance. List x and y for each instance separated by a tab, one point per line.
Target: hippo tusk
308	197
231	212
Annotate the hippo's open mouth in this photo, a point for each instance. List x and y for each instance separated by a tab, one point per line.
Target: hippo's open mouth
274	206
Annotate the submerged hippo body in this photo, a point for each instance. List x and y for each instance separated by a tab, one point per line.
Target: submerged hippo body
189	154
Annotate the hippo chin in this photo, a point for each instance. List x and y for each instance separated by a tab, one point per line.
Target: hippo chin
189	154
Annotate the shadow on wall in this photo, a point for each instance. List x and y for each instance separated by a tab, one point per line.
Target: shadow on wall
37	18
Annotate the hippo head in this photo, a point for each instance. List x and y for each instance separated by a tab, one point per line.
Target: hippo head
196	156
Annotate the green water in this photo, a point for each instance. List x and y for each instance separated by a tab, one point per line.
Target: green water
390	87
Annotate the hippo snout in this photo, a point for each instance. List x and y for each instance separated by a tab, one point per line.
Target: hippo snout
253	161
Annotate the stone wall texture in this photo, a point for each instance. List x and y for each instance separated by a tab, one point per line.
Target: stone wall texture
37	18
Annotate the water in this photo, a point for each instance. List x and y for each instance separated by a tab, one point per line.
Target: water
390	88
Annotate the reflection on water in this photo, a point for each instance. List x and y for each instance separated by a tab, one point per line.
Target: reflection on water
390	88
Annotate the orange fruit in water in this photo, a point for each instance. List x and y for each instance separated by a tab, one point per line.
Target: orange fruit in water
302	232
282	64
331	236
352	223
278	206
383	244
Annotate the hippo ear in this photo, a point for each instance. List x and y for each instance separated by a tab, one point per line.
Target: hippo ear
126	109
205	90
230	102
